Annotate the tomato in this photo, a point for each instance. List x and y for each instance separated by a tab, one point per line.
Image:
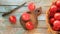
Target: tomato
57	16
31	6
51	14
12	19
55	28
25	16
58	3
53	9
52	20
56	25
29	25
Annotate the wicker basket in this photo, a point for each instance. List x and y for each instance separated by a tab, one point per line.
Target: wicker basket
50	30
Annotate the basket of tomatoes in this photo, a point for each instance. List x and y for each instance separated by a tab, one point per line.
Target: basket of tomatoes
53	17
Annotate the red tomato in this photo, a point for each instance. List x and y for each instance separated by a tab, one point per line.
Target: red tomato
57	16
53	9
58	3
25	16
55	28
29	25
56	25
51	14
12	19
31	6
52	20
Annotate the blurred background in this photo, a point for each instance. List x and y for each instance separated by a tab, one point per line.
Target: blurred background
8	5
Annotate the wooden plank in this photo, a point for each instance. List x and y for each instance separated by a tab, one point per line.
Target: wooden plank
11	2
41	20
23	9
12	31
6	8
22	31
18	2
20	10
41	23
42	3
44	9
5	21
40	17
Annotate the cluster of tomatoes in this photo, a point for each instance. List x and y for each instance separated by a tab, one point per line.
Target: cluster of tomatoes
28	24
54	14
25	16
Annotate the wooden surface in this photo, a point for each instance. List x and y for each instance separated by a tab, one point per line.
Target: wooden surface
7	28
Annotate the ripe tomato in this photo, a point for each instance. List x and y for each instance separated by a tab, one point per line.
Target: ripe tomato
56	25
53	9
58	3
57	16
29	25
12	19
25	16
51	14
52	20
31	6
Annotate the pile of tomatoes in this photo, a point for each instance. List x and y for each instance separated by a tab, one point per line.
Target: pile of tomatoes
54	15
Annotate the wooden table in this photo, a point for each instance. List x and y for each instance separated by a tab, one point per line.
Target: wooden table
7	28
